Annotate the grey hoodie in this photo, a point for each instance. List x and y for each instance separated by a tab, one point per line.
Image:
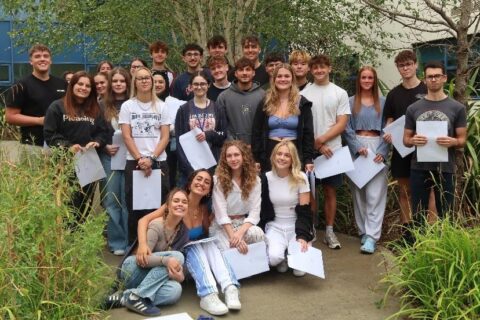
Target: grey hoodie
240	107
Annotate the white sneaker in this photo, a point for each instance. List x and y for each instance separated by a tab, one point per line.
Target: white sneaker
213	305
298	273
282	266
232	298
331	240
119	252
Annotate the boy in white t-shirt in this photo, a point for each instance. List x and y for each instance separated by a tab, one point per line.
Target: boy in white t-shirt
330	110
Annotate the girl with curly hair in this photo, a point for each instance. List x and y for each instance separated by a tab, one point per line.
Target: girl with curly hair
236	198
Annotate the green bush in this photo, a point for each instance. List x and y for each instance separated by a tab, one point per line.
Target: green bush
439	276
47	270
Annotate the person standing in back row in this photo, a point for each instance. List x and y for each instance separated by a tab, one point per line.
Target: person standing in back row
251	51
28	100
331	110
398	99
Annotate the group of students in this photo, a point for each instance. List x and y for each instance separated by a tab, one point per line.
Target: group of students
264	143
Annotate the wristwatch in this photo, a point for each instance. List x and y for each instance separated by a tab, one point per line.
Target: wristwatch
153	157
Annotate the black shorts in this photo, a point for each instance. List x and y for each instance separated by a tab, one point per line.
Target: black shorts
400	167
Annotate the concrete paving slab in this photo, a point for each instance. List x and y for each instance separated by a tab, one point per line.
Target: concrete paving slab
350	290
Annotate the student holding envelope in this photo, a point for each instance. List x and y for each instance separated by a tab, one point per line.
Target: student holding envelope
286	205
113	186
236	198
76	122
436	106
364	132
204	114
145	125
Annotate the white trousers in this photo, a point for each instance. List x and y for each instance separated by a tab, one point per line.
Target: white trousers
254	234
277	238
370	201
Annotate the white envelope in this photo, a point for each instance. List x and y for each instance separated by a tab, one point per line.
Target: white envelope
432	151
340	162
396	129
252	263
198	153
147	191
88	167
119	160
176	316
365	169
310	261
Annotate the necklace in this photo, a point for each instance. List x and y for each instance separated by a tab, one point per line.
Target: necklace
170	239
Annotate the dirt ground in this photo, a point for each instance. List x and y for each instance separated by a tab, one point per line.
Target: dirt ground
350	291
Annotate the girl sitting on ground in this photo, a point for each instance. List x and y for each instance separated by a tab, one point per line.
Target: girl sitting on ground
285	205
204	261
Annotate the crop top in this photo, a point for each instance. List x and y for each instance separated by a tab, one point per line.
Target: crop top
282	127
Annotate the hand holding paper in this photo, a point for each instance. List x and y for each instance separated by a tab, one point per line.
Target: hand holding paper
432	151
198	153
88	167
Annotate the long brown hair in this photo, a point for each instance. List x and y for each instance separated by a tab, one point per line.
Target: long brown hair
248	175
109	99
89	107
272	98
357	102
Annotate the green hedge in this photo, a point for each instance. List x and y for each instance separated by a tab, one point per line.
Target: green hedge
439	276
47	271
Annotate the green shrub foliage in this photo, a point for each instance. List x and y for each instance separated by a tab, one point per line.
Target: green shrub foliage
48	270
439	277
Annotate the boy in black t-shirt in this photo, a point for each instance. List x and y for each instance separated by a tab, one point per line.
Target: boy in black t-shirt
398	99
251	51
29	99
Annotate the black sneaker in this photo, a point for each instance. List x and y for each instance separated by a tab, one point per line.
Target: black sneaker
114	301
142	306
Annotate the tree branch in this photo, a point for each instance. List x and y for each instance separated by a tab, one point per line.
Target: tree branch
393	14
442	14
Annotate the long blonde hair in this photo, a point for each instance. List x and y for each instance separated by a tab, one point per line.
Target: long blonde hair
295	177
357	101
224	173
134	91
272	98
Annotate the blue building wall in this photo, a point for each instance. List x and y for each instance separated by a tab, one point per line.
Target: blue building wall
14	62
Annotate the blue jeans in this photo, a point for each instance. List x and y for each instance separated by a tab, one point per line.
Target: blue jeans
421	182
204	261
113	200
152	283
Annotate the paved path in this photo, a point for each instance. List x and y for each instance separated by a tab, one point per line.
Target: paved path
350	291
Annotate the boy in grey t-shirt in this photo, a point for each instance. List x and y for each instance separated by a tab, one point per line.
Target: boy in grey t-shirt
436	106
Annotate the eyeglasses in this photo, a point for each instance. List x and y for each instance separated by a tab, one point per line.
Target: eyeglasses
199	84
144	79
405	65
435	77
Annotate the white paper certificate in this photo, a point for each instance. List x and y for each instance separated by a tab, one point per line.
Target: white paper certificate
198	153
310	261
147	191
252	263
365	169
396	129
88	167
432	151
340	162
119	160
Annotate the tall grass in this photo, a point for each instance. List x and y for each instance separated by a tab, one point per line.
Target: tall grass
439	276
47	270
